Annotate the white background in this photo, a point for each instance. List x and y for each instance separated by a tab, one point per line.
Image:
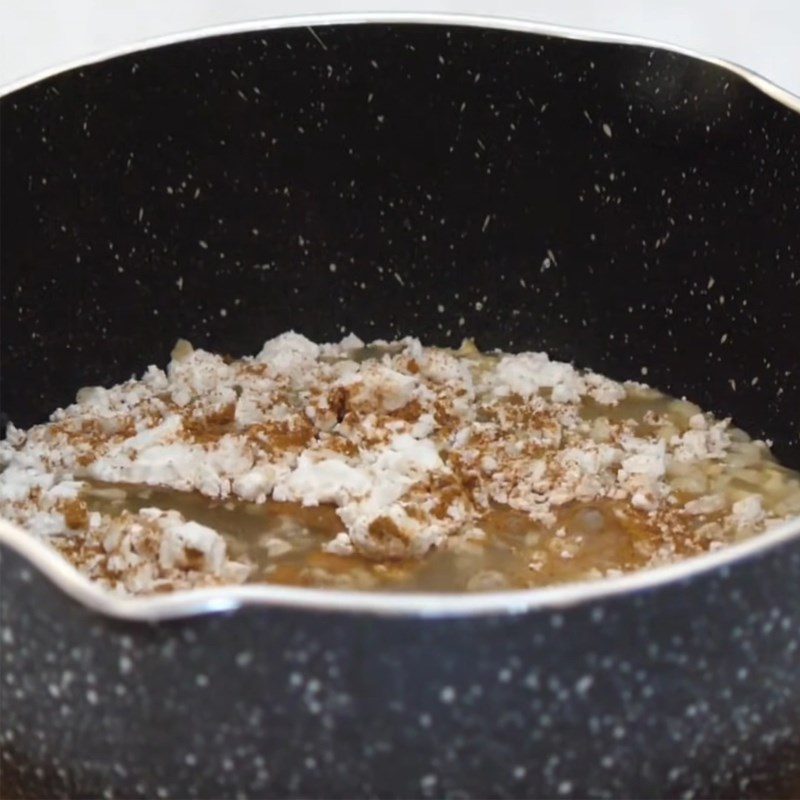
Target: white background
39	35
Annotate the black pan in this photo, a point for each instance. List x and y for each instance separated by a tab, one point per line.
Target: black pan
629	208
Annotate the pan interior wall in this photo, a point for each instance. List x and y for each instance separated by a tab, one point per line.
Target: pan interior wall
632	210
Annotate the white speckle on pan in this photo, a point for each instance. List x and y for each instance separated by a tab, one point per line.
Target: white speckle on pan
486	221
428	782
125	664
675	773
203	244
644	370
607	129
317	37
244	658
448	694
332	267
179	283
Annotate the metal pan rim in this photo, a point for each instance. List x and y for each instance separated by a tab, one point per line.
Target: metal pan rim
765	85
196	602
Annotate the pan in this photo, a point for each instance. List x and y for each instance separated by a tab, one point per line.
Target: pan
619	204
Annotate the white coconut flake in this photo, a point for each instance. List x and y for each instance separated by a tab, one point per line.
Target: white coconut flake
412	445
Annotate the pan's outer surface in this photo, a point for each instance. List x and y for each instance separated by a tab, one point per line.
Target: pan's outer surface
632	209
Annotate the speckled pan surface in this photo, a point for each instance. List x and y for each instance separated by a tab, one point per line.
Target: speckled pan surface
689	692
631	209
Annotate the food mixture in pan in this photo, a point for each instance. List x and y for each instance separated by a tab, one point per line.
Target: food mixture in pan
388	466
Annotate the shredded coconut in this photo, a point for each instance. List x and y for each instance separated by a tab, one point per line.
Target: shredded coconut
412	445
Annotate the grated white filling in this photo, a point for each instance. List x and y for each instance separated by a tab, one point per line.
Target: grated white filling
387	440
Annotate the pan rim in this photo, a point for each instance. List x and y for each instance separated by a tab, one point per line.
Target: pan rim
197	602
765	85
